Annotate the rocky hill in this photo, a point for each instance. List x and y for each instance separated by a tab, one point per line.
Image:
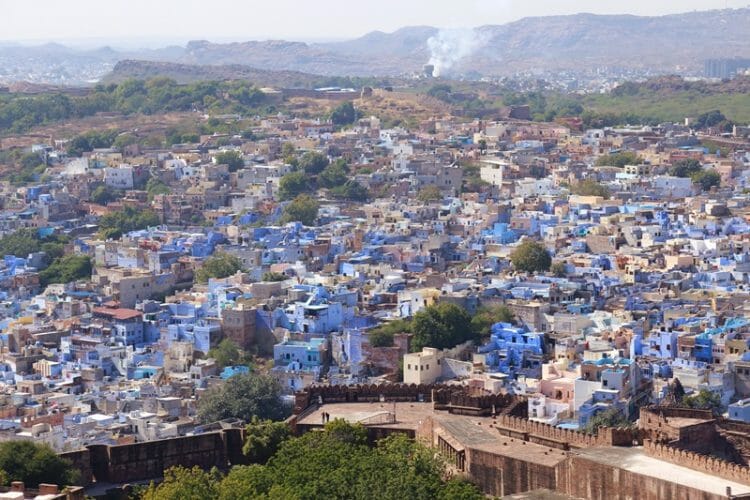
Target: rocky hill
674	44
188	73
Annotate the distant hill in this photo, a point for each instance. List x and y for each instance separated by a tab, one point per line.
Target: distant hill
666	44
673	44
188	73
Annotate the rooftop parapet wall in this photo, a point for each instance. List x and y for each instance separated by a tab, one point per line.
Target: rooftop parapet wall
148	460
607	436
699	462
444	397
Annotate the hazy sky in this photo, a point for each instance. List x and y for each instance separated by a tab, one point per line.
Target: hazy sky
181	20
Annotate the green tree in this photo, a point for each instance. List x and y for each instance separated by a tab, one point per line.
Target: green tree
706	179
344	114
338	464
429	193
294	184
685	168
709	119
335	174
124	140
247	395
288	149
612	417
227	353
705	400
93	139
303	208
313	162
485	317
382	335
619	159
155	186
102	195
590	187
66	269
35	463
559	269
115	224
443	326
20	243
273	276
219	265
181	483
263	438
352	191
232	159
531	257
250	481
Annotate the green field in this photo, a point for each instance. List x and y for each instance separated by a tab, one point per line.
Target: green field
674	106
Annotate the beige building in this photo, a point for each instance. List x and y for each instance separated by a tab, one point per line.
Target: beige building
423	367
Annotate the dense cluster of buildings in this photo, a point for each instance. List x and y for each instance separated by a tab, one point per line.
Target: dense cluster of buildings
650	283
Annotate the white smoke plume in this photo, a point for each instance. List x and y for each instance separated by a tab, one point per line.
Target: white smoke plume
449	46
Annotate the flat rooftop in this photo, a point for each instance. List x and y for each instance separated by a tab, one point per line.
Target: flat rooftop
635	460
469	431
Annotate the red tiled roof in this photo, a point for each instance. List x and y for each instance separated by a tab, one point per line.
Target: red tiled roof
118	313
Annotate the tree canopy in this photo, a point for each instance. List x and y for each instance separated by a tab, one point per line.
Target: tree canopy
705	400
248	395
303	209
232	159
90	140
336	464
382	335
20	243
313	162
274	276
619	159
429	193
443	325
115	224
685	168
709	119
66	269
219	265
612	417
102	195
590	187
294	184
485	317
335	174
706	179
263	438
227	353
155	186
352	191
344	114
35	463
531	256
181	483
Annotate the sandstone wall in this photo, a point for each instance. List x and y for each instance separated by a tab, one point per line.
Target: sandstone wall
530	430
583	478
697	461
139	461
499	475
